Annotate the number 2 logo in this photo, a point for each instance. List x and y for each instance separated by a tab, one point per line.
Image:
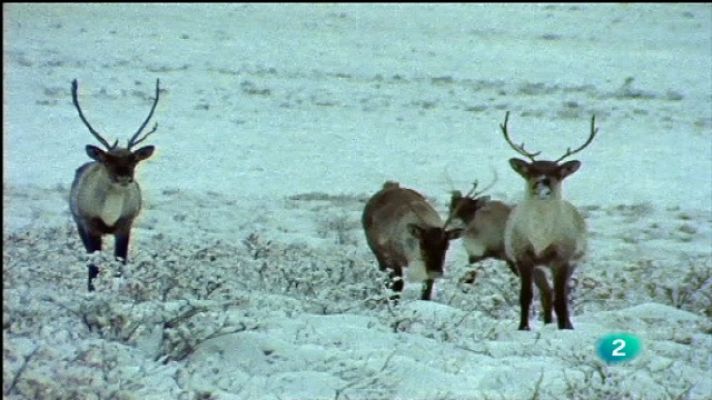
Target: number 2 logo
618	351
618	347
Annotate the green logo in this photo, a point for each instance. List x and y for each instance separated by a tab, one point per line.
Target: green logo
619	347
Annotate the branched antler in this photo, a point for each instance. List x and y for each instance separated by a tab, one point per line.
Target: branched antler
476	194
81	115
133	142
472	194
590	138
519	149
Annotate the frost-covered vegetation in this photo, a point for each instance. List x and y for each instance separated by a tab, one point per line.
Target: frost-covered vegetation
249	276
261	317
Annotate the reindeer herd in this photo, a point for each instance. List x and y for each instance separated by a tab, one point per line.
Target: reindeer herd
404	231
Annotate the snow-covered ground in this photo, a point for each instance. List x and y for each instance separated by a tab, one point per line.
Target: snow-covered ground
249	275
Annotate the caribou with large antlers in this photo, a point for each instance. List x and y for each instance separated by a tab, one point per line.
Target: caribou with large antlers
403	230
105	198
545	230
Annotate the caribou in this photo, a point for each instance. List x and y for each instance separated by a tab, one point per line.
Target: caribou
484	220
105	199
545	230
404	231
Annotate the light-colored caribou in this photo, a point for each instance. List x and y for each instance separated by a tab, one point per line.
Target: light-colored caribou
545	230
105	198
484	220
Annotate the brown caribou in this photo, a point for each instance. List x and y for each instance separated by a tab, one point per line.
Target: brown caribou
404	230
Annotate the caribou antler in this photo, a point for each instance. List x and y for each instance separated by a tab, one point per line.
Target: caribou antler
519	149
81	115
590	138
476	194
132	142
472	194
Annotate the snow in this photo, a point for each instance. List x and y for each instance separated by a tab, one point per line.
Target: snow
249	274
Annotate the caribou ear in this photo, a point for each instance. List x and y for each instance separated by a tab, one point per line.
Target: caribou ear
569	168
95	153
520	166
455	200
415	230
144	152
453	234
